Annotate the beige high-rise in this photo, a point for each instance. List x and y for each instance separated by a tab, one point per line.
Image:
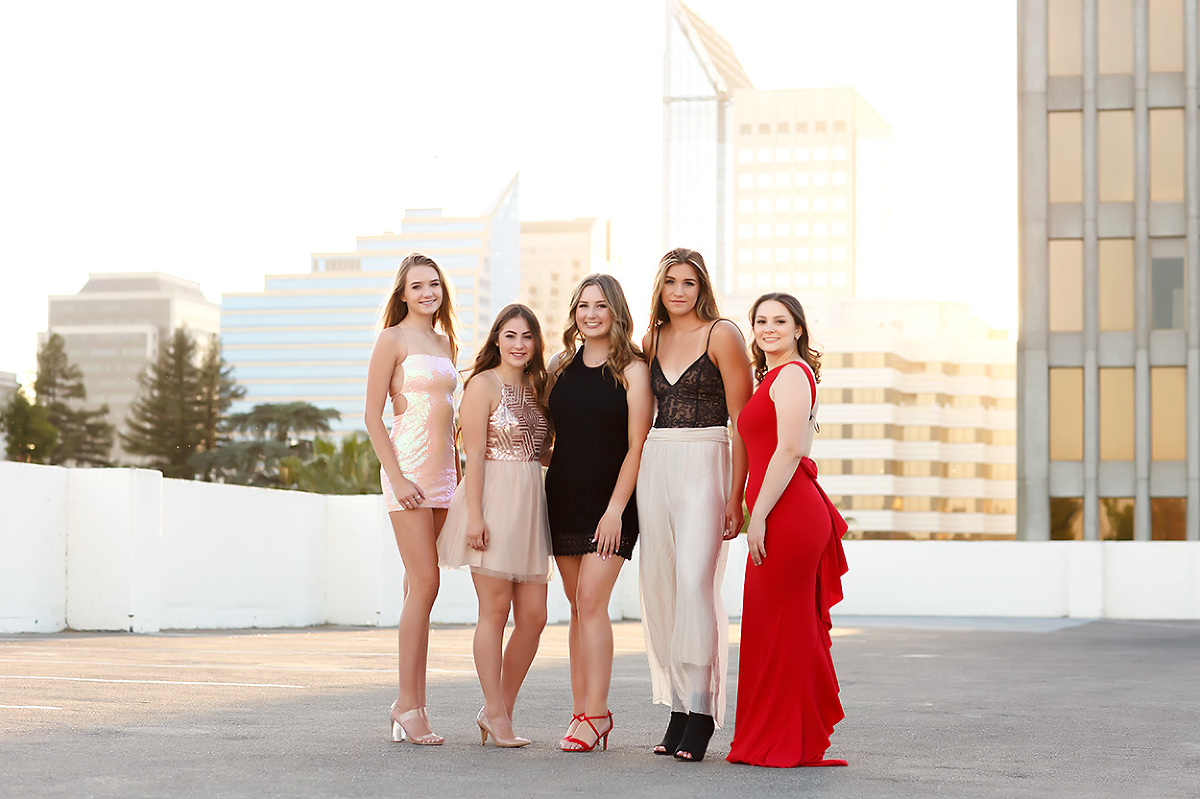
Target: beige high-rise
555	256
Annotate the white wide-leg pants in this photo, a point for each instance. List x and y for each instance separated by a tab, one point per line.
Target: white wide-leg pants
682	488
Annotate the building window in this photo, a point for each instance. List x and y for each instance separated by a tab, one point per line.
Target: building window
745	230
745	256
783	204
1064	35
764	127
1066	519
839	228
839	253
782	254
1116	414
1167	299
802	127
764	180
783	154
801	179
820	203
1116	284
745	181
763	205
820	254
1166	35
837	279
746	206
820	229
782	127
1115	134
1168	519
744	281
746	129
1166	155
801	204
800	229
839	153
839	178
801	153
1116	518
763	280
839	203
820	279
820	153
1168	413
1114	27
1065	284
783	180
1065	157
1066	414
746	156
763	255
763	230
782	230
802	280
820	178
783	280
764	156
801	255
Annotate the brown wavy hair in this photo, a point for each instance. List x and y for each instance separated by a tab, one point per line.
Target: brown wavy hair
621	349
706	302
810	356
488	356
395	309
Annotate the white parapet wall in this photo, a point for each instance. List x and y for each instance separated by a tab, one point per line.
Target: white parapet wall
126	549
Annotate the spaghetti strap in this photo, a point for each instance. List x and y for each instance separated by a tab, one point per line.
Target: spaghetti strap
708	340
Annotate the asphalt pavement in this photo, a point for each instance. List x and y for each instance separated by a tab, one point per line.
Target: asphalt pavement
972	708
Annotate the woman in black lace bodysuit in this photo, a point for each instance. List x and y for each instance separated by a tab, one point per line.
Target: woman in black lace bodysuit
689	494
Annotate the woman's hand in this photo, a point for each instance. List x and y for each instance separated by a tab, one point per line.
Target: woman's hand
408	494
756	537
608	534
734	516
477	534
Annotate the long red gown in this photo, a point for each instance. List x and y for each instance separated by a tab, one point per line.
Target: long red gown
787	695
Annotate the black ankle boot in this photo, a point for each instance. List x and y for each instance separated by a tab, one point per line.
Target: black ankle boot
674	734
696	736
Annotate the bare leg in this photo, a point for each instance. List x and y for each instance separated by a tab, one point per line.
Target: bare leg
595	585
568	569
418	551
529	619
495	600
439	519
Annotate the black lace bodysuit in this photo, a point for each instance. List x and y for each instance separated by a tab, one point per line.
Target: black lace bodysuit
696	399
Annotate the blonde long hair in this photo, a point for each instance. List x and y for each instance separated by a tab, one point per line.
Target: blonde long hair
395	309
621	349
706	302
488	356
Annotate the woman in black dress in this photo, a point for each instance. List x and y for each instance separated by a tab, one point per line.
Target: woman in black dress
600	406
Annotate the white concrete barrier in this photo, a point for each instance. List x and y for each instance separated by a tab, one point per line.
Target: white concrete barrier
125	549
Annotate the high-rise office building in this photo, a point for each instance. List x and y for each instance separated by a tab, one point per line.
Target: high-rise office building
783	189
113	327
555	256
308	337
700	74
1109	349
812	191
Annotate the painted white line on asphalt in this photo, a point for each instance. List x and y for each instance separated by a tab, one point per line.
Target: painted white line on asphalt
29	707
147	682
39	661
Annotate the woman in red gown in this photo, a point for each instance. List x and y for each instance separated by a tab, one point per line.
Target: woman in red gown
787	696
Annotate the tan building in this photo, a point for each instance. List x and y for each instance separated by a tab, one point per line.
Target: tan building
811	188
555	256
1109	355
113	328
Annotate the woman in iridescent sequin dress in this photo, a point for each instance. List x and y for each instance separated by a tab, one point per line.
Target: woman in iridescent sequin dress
413	364
497	523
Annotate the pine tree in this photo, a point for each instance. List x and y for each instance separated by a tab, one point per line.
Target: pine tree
85	438
218	390
29	436
167	422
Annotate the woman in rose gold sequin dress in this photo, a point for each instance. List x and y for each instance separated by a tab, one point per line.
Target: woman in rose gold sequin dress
497	522
413	363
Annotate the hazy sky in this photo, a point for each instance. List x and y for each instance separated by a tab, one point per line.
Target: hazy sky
222	141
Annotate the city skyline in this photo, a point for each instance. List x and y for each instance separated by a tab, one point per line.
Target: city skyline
176	169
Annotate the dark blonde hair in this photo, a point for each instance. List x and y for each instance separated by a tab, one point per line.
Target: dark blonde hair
706	303
488	356
395	309
807	353
621	349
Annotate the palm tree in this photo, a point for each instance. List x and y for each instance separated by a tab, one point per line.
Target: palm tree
280	421
346	468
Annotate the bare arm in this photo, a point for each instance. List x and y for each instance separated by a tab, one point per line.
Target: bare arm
793	404
480	398
641	410
386	357
728	350
551	378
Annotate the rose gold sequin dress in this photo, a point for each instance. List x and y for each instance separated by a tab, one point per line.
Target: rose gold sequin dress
423	435
514	498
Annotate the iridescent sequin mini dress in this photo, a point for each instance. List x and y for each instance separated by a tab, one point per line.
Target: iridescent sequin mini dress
423	434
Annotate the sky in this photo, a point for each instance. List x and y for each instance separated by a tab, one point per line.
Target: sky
224	141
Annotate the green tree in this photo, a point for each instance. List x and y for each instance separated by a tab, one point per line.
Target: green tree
345	467
85	438
166	422
217	391
29	436
281	420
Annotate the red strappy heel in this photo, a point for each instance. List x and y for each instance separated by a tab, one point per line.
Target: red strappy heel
581	746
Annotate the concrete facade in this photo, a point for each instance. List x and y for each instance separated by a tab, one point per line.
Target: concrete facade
123	549
1109	205
555	256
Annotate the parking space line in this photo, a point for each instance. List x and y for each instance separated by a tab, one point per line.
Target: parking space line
147	682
